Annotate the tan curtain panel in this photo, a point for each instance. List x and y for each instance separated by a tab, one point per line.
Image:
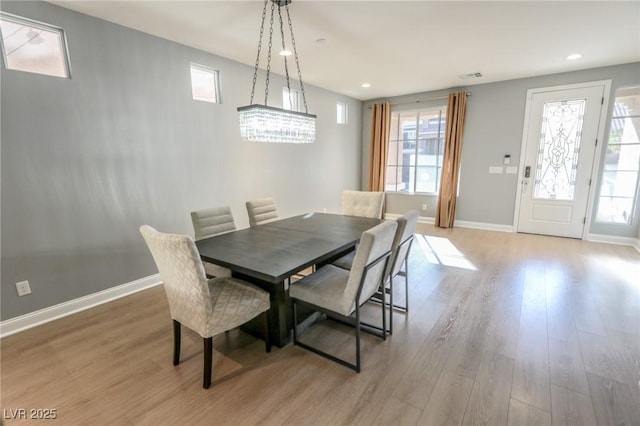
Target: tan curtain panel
380	125
456	112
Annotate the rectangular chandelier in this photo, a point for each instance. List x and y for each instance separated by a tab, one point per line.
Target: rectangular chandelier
262	123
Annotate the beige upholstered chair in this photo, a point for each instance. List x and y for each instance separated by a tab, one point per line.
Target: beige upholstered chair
261	211
214	221
363	203
398	263
339	293
211	222
208	307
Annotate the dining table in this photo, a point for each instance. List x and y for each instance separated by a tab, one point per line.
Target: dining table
269	255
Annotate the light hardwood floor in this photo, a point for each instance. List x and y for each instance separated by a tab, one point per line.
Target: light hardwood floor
503	329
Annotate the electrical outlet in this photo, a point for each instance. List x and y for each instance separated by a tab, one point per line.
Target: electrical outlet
23	288
424	207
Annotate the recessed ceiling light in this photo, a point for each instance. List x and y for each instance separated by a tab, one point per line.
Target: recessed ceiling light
574	56
365	85
285	53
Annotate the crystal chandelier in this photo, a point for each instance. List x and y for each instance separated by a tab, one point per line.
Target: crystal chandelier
263	123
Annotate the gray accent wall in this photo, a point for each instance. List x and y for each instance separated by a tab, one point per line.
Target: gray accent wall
493	129
85	161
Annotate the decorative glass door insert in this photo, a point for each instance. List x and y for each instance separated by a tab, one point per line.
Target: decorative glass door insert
558	150
559	146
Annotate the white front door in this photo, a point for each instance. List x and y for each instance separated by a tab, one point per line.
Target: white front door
559	147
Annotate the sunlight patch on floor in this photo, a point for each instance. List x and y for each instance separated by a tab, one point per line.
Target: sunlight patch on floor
627	271
439	250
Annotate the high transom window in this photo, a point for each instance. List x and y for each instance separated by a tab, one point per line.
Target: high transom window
33	46
291	99
205	84
416	149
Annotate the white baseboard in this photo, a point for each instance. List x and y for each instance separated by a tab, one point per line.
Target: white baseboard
42	316
483	225
611	239
459	223
421	219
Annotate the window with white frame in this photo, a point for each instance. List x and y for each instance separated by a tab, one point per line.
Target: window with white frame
205	83
290	99
416	149
619	185
341	111
33	46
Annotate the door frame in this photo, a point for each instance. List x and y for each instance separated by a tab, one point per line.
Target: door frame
595	166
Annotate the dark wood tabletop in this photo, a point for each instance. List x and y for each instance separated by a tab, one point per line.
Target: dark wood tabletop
274	251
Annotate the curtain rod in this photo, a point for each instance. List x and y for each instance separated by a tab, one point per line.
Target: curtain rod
417	101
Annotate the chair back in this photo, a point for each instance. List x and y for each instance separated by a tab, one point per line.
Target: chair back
182	273
363	276
211	222
261	211
402	241
363	203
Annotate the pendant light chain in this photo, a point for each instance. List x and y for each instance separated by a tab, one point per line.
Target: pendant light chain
266	87
286	66
295	52
255	71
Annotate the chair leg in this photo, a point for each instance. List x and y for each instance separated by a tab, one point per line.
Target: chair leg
384	315
406	283
267	338
295	323
390	304
176	342
208	362
358	338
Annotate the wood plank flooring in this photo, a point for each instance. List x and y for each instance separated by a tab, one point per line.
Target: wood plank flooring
503	329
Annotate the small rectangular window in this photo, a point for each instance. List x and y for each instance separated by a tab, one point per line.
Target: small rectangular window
290	99
341	110
34	47
205	84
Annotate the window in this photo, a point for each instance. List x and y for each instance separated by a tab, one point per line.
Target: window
622	160
341	111
416	148
290	99
205	84
33	46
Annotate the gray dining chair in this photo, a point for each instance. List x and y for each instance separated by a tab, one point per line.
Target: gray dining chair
209	223
398	263
208	307
261	211
362	203
339	293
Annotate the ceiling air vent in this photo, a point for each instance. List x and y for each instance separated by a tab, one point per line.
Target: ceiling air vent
470	75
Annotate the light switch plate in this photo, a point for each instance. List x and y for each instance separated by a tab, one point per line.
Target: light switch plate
513	170
23	288
495	170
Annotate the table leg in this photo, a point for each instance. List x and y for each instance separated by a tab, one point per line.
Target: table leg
280	313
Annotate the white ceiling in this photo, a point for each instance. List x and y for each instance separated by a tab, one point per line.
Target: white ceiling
399	47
